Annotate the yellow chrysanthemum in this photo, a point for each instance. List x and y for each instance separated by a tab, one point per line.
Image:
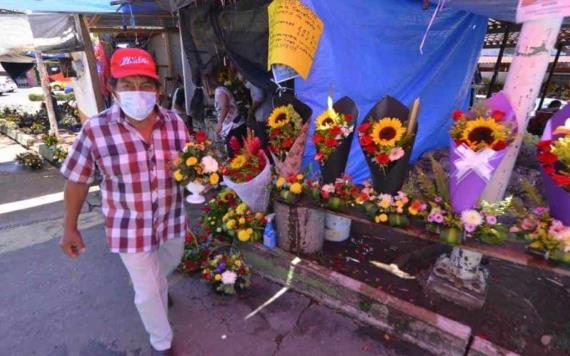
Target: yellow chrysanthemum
191	161
280	182
300	177
278	118
482	133
218	277
245	234
238	263
381	218
178	176
241	221
214	178
231	224
241	209
296	188
388	131
237	162
327	119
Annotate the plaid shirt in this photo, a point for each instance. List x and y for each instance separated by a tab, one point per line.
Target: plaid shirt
142	203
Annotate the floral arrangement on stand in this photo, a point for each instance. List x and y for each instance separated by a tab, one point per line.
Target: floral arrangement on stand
244	224
227	273
480	139
290	188
214	211
30	159
483	224
248	173
395	210
284	127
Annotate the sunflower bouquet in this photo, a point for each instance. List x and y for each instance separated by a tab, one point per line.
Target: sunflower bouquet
227	273
553	153
248	173
387	144
284	127
480	139
333	136
197	163
244	224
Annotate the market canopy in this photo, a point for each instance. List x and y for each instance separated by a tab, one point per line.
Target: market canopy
79	6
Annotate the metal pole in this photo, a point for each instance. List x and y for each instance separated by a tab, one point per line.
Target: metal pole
550	74
44	79
523	82
499	59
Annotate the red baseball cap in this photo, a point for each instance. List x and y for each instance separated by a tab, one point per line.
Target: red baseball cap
133	61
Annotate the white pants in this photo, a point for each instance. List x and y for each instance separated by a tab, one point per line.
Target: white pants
148	271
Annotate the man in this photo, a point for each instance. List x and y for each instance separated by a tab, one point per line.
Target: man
134	144
261	106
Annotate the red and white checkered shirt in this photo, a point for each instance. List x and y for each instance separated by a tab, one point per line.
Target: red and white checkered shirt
142	203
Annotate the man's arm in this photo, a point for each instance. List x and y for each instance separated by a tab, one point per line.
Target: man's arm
73	198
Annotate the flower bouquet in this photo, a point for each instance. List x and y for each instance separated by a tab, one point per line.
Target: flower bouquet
227	273
553	153
333	137
242	223
387	144
482	224
366	199
196	253
290	188
287	133
214	212
30	159
480	139
196	167
59	154
394	210
338	195
248	173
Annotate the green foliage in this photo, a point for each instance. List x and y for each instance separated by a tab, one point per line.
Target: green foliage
425	184
49	140
440	177
30	159
58	97
531	193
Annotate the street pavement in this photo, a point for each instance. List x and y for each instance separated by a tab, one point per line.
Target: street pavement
52	305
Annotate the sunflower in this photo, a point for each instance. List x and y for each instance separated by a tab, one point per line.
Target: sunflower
327	119
387	132
279	117
482	133
237	162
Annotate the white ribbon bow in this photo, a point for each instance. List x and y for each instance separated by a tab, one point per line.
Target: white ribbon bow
477	162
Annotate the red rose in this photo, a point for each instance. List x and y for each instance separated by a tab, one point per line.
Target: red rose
317	139
348	117
383	158
287	143
457	114
499	145
547	158
335	131
370	149
366	140
364	127
544	145
201	137
276	132
331	143
458	142
561	180
498	115
550	170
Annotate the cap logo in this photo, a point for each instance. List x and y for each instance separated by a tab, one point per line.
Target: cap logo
133	60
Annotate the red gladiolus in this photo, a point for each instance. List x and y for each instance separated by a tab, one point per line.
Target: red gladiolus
383	158
348	117
201	137
500	145
364	127
547	158
544	145
234	144
331	143
498	115
457	114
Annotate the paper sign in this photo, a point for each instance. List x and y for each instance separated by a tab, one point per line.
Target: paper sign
529	10
294	33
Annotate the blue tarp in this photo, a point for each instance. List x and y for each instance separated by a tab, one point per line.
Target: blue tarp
370	49
78	6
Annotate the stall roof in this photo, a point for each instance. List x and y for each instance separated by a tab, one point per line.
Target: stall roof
79	6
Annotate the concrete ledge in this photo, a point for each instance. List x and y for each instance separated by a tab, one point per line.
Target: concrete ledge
46	152
430	331
18	136
482	347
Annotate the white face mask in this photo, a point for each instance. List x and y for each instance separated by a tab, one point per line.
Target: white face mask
137	104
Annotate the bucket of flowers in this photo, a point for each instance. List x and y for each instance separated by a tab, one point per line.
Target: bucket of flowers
395	209
212	220
366	199
244	224
336	196
227	273
553	153
30	159
480	139
332	137
387	141
197	167
290	188
248	173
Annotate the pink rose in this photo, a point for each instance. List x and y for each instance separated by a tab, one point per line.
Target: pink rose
396	153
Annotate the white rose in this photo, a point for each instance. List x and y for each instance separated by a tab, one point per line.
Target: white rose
471	217
210	164
229	277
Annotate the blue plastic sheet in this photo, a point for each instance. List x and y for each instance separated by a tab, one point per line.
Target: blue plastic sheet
371	48
78	6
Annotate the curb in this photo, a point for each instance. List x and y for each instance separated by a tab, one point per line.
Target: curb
27	141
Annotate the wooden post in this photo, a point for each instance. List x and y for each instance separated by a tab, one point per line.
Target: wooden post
44	79
522	86
91	60
166	37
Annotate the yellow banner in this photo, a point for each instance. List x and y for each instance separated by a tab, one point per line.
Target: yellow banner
294	33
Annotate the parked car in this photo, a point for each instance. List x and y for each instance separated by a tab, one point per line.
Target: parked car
8	84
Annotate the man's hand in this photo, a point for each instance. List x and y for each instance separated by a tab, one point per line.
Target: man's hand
72	243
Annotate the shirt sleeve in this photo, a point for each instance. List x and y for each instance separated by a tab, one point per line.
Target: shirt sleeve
79	166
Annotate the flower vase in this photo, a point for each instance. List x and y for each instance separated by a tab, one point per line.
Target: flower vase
450	235
337	228
398	220
195	188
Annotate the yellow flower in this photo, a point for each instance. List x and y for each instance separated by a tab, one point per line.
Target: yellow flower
300	177
214	179
483	133
178	176
327	119
280	182
381	218
387	132
241	209
177	161
413	210
238	263
399	203
191	161
245	234
237	162
278	118
385	203
218	277
231	224
241	221
296	188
